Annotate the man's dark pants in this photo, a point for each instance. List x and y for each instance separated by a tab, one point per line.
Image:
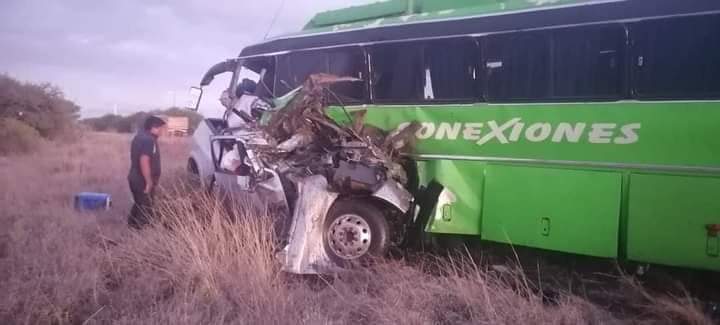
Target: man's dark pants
141	212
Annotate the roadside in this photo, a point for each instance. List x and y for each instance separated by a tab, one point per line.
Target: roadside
60	266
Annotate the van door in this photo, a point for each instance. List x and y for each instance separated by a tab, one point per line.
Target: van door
229	181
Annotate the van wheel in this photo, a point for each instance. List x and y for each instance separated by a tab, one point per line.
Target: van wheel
355	231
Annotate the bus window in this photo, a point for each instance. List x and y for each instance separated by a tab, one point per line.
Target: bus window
348	62
305	63
397	72
295	68
263	67
282	76
517	66
677	58
588	62
451	69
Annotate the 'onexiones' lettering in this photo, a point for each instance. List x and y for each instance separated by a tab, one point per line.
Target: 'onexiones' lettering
514	130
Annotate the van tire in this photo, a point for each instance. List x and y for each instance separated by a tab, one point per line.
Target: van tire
355	232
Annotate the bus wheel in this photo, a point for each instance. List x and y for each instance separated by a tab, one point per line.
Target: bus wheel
354	232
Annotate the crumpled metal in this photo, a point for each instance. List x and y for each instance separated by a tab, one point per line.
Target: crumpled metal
304	122
311	146
305	253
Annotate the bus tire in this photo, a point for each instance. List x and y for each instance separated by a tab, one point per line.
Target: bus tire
355	232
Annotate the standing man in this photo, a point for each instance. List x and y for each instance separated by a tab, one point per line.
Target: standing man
144	170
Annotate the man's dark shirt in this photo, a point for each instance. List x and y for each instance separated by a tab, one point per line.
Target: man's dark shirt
144	143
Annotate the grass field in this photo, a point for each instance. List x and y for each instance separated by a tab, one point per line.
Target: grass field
58	266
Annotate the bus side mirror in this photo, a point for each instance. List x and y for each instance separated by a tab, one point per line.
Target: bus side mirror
194	98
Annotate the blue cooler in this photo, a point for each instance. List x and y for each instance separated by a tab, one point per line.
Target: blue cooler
86	201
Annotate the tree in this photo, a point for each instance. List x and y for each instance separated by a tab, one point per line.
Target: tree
133	122
41	106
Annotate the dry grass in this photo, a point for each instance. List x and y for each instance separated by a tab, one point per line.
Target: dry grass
195	267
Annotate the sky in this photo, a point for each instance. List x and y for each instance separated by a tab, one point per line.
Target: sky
131	55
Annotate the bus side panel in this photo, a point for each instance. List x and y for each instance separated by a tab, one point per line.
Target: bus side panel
556	209
464	180
668	218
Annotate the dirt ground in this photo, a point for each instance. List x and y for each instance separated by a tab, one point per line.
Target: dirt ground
59	266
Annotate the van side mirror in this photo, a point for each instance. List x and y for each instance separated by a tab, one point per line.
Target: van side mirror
194	98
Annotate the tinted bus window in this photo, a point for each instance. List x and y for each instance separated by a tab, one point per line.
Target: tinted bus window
420	71
397	72
295	68
283	76
303	64
517	66
588	62
349	62
677	57
451	69
266	65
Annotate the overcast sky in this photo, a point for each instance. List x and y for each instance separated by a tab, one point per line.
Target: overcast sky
136	54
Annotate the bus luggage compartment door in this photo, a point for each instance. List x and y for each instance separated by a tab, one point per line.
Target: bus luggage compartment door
563	210
674	220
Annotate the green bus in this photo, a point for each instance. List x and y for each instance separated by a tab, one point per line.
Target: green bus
584	127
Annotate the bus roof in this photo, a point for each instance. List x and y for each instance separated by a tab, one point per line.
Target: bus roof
403	11
397	20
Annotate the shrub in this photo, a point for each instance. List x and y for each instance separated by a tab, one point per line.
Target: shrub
17	137
130	123
41	106
103	123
